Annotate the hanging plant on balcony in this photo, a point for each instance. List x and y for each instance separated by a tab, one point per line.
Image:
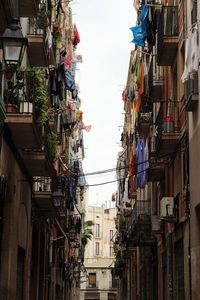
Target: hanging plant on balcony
38	94
43	17
52	143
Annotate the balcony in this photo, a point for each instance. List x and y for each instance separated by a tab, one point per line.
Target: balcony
140	214
28	8
167	36
143	123
156	81
38	162
43	196
139	226
191	92
156	170
21	111
37	45
169	129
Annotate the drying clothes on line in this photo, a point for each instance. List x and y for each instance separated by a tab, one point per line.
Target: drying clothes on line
68	60
191	54
138	37
76	39
136	4
49	38
132	163
69	81
142	163
151	29
125	192
144	20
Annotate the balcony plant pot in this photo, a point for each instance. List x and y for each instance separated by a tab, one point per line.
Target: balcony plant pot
168	124
10	108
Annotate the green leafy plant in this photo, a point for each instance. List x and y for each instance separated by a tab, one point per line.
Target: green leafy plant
38	93
87	232
43	16
52	143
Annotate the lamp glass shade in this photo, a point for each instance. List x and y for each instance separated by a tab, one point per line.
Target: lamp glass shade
13	43
72	234
12	52
58	198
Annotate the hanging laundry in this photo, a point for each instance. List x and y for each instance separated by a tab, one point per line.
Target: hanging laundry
138	37
69	81
141	88
124	95
68	60
49	38
195	50
144	20
141	155
136	4
191	54
132	162
151	29
76	39
125	193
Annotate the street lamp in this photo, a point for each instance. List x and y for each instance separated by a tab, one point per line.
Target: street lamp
72	234
14	44
58	199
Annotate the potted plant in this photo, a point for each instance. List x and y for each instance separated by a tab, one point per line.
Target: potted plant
11	98
168	124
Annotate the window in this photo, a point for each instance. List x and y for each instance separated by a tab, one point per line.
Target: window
111	235
97	230
96	248
111	251
92	280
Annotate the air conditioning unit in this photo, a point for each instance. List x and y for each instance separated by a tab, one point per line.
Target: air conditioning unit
167	208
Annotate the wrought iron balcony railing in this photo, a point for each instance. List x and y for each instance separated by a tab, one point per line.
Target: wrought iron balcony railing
167	35
170	124
42	184
141	213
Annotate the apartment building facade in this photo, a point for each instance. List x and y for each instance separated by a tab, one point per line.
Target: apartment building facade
97	282
42	182
158	242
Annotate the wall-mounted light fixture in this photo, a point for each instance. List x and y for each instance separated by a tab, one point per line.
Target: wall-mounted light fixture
13	44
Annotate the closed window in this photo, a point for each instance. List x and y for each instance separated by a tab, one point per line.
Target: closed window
96	248
111	235
92	280
97	230
111	251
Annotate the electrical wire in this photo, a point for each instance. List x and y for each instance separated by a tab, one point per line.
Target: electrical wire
111	170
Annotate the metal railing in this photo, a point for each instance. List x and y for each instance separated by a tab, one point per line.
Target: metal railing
20	91
168	24
169	21
141	212
42	184
38	25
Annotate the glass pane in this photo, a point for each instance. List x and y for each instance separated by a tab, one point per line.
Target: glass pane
12	52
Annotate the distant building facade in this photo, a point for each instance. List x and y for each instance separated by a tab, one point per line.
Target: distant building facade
99	256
